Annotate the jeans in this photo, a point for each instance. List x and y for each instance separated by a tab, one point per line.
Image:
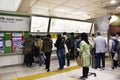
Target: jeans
40	60
100	56
60	55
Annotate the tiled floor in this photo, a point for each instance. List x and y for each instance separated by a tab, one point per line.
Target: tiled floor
8	73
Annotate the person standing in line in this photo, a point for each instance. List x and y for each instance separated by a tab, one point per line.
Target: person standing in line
47	49
39	44
118	48
67	54
100	49
28	44
112	46
76	43
71	46
60	50
84	53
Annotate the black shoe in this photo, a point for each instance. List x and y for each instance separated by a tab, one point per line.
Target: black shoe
68	65
48	70
95	75
82	78
112	67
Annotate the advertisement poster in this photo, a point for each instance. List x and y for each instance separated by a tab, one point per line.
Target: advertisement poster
8	43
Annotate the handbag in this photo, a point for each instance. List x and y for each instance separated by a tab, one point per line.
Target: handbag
66	49
115	57
79	61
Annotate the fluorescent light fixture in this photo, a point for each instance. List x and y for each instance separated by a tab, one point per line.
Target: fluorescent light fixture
113	19
9	5
113	1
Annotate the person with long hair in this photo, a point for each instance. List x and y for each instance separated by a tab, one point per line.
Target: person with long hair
84	53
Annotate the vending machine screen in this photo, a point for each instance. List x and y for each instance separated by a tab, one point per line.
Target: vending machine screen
1	42
17	41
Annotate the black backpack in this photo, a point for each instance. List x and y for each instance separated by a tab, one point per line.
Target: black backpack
116	47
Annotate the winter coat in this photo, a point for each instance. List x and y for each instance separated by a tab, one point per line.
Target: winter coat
47	45
39	44
28	44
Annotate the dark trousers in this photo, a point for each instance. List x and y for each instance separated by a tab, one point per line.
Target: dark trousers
28	59
100	56
68	59
114	62
72	55
47	60
85	71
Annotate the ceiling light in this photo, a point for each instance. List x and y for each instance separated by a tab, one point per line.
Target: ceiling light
113	1
63	10
10	5
113	19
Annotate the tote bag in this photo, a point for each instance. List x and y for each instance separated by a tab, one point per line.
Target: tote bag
115	57
66	49
79	61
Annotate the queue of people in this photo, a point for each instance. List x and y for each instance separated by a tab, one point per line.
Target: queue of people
80	45
39	48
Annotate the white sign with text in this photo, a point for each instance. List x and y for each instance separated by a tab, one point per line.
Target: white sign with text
14	23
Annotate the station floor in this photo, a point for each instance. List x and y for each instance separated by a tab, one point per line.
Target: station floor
36	72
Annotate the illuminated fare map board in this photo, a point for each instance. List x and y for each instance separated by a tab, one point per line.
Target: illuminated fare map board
39	24
62	25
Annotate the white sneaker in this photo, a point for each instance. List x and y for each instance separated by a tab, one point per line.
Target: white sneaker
99	69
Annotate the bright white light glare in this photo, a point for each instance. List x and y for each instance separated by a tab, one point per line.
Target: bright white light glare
9	5
113	19
113	1
63	10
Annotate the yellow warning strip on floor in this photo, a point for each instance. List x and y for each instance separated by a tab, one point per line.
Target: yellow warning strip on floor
41	75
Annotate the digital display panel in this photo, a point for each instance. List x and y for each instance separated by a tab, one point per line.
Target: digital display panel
39	24
17	41
1	42
62	25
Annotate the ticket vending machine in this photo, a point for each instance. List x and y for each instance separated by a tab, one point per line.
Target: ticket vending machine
17	43
1	46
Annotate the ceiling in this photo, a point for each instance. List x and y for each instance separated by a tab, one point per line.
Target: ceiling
74	9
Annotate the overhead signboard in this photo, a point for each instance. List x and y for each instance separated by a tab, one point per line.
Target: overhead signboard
14	23
62	25
39	24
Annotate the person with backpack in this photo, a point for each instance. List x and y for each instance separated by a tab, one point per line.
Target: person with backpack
118	47
113	42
